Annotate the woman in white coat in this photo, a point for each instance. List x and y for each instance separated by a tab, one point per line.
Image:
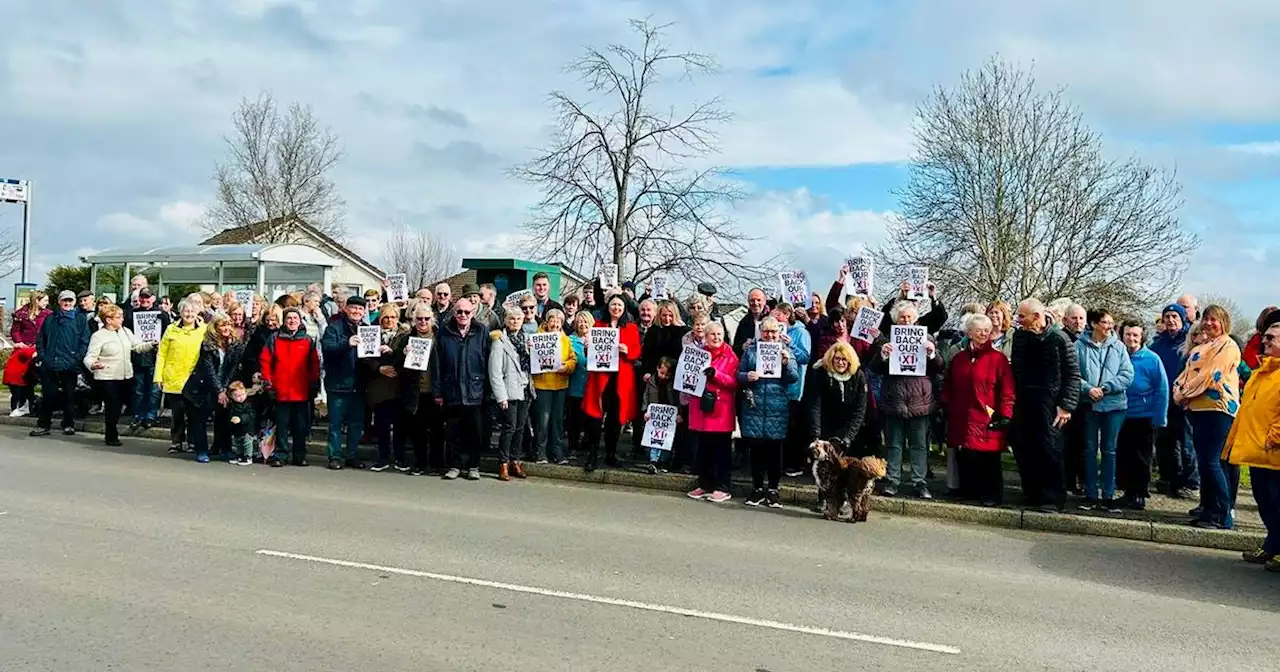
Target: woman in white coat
512	391
110	359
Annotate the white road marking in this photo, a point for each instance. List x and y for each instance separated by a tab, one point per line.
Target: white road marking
643	606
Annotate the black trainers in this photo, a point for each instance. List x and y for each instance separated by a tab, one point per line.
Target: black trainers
652	468
335	464
114	443
1257	556
40	431
301	462
757	498
772	499
402	468
1111	506
175	448
923	492
274	461
380	466
1087	505
355	464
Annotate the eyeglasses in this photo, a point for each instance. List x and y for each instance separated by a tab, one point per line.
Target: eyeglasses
422	319
461	312
528	309
769	331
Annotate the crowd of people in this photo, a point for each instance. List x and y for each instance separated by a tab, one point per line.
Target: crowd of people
1090	403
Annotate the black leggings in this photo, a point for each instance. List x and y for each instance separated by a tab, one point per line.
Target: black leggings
714	459
607	424
766	460
178	409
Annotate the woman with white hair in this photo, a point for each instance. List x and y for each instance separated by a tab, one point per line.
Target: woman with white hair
978	397
905	406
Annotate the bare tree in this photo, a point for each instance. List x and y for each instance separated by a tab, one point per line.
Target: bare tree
616	181
277	170
1011	195
423	256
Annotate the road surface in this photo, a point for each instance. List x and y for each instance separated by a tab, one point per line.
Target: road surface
126	559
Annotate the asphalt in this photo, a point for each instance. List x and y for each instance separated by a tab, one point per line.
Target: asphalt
120	559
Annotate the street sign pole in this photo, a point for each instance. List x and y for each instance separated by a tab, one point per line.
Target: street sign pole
26	232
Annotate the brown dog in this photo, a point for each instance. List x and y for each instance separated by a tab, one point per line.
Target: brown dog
840	478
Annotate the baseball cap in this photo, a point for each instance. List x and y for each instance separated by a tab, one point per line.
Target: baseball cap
357	301
145	294
66	295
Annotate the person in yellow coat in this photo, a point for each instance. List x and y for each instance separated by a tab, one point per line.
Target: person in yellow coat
552	388
175	359
1254	442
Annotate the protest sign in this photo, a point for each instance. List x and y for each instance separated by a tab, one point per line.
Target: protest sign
514	298
924	307
868	318
397	288
660	288
544	352
795	288
861	276
908	356
244	297
918	279
417	353
689	377
370	341
608	276
769	359
660	428
146	326
602	349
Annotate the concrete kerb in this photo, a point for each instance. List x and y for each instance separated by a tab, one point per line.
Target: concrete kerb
1006	518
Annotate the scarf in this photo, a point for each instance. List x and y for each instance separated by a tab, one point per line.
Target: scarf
522	349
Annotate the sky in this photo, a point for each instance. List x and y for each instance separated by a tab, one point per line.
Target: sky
117	110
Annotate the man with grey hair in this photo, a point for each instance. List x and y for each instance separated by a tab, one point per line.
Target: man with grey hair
1190	304
1058	309
1046	378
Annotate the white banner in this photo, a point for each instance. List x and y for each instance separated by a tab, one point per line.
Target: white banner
862	271
868	318
660	288
146	326
795	288
602	349
544	352
769	359
244	297
660	429
417	353
397	288
689	377
370	341
608	276
514	298
918	279
908	355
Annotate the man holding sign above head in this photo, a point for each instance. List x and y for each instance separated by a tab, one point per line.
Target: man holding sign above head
610	400
908	360
765	379
932	319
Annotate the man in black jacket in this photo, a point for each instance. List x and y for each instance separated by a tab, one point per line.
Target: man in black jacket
60	348
146	393
542	294
749	326
462	368
1046	377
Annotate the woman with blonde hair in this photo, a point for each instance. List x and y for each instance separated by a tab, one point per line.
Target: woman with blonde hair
1001	315
837	398
176	357
575	418
110	358
206	388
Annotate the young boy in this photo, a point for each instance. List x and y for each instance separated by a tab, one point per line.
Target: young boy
660	389
244	430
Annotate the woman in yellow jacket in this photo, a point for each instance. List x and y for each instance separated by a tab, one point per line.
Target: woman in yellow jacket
1254	442
175	359
552	388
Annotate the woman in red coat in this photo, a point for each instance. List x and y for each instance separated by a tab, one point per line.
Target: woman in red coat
612	394
978	397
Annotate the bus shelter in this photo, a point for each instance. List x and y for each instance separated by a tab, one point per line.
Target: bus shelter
269	270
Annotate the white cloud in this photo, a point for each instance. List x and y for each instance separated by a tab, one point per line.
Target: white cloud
173	223
1264	148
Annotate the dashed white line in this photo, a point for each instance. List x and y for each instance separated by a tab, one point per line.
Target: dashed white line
630	604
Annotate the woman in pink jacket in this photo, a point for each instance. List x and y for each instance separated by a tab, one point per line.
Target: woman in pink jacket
712	419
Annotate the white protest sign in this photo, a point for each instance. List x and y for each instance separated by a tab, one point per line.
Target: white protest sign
689	377
924	307
514	298
795	288
244	297
544	352
608	276
918	279
868	318
146	326
660	288
417	353
370	341
769	359
602	349
397	288
862	272
660	429
908	356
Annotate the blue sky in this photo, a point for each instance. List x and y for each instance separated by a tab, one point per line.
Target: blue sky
116	110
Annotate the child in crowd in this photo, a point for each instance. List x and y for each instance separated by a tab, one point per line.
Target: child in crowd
244	430
20	376
660	389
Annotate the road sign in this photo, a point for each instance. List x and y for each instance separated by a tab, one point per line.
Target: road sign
13	191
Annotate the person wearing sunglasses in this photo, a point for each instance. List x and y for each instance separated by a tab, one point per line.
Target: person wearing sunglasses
420	412
462	365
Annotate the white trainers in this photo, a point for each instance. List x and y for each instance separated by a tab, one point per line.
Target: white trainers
20	411
452	474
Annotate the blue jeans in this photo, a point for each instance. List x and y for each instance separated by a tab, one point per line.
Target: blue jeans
1266	491
912	434
146	395
1107	426
346	409
1209	431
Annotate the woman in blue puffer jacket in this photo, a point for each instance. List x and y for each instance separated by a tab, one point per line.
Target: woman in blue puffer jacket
1148	411
764	413
1105	375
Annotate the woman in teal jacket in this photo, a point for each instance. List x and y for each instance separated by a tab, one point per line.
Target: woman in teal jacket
576	422
1105	375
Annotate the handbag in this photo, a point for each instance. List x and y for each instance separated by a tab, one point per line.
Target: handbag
708	401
